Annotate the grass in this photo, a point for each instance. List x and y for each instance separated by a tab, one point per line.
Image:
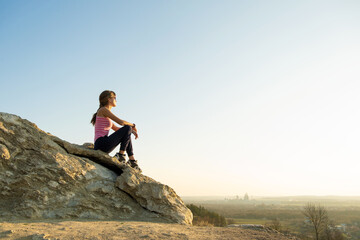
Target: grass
249	221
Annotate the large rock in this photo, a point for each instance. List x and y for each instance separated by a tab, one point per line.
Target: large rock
154	196
42	176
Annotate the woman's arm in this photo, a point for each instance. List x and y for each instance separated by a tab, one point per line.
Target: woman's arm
114	127
107	113
104	112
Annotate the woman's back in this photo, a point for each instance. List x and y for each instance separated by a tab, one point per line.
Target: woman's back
102	127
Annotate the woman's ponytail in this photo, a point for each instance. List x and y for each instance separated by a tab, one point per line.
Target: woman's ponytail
93	119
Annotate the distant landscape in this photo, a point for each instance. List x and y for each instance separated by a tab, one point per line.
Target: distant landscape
344	212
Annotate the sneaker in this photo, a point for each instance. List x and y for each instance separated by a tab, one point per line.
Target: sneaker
120	157
134	164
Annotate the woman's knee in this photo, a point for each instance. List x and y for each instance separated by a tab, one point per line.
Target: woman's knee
127	129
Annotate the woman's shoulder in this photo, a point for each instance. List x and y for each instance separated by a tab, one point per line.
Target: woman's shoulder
102	112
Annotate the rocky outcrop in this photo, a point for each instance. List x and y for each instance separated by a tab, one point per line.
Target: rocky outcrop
42	176
153	195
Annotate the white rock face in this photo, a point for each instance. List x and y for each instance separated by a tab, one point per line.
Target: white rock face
42	176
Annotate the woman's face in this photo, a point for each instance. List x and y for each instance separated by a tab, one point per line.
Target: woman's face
112	101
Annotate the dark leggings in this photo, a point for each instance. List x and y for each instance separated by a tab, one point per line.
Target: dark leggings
109	143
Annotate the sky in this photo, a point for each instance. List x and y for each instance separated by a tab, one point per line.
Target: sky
229	97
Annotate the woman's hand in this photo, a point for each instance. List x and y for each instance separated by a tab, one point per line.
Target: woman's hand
134	131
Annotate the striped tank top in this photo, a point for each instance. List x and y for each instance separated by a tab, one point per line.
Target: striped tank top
102	127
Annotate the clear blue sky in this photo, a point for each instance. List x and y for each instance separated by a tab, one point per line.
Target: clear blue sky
229	96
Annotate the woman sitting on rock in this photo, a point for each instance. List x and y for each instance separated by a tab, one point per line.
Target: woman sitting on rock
102	122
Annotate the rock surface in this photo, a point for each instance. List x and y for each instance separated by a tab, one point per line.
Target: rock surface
42	176
153	195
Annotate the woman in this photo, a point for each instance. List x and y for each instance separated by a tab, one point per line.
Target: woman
102	122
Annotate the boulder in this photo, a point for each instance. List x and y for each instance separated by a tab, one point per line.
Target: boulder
154	196
43	176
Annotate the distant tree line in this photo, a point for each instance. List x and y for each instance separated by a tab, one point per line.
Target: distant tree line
204	217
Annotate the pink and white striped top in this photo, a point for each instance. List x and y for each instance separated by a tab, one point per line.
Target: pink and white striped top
102	127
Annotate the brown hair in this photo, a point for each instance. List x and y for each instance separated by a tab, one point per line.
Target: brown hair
103	100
